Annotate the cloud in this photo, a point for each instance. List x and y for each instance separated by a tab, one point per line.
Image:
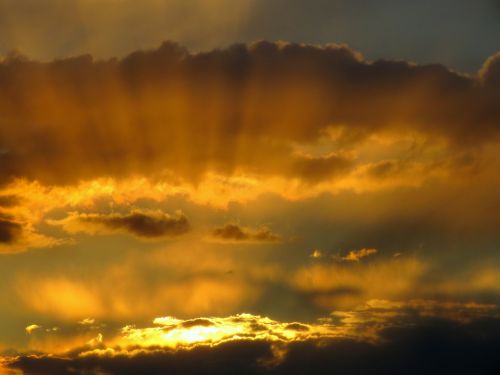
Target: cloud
87	321
177	333
141	224
342	285
357	255
7	201
390	339
234	233
17	236
10	231
316	169
31	328
317	254
490	72
245	108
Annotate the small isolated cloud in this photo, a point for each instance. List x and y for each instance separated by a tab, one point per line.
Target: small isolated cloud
31	328
316	254
234	233
357	255
144	224
87	321
96	340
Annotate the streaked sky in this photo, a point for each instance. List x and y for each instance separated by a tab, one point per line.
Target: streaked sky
253	186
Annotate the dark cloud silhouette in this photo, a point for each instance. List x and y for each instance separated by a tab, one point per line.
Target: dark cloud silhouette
235	233
428	346
239	108
10	230
142	224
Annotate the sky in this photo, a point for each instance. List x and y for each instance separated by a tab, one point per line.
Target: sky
254	187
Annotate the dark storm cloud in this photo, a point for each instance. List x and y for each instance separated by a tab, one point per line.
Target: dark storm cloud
428	346
235	233
142	224
239	108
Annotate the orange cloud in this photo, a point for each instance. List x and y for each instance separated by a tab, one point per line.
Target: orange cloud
225	111
357	255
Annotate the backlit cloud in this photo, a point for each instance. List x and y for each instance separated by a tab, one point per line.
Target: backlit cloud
142	224
357	255
144	114
31	328
264	345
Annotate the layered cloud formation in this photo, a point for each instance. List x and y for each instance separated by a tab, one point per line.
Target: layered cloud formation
348	200
258	345
238	109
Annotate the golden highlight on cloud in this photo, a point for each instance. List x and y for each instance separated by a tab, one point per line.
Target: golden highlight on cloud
31	328
357	255
367	325
175	333
365	322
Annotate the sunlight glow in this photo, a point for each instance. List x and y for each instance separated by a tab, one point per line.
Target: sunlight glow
175	333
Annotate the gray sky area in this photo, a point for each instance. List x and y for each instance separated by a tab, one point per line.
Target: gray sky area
457	33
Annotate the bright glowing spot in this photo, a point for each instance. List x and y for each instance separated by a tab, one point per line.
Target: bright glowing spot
316	254
31	328
174	333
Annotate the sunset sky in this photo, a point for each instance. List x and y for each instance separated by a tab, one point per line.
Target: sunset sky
249	187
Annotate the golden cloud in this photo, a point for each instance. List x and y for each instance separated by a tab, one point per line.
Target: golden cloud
357	255
225	111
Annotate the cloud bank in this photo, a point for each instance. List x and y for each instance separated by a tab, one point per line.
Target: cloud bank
243	108
391	338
